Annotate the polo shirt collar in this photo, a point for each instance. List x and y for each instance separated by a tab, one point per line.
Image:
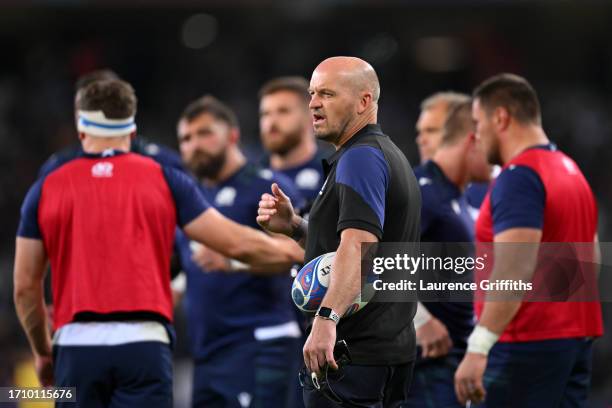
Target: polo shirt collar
361	133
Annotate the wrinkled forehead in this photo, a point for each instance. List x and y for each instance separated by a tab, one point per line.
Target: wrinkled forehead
330	79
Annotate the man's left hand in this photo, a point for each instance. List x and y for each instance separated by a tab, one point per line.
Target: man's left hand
210	260
319	347
468	378
44	369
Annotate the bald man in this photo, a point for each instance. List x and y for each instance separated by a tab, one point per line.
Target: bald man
370	195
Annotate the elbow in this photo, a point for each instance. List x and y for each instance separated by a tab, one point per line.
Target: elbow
22	292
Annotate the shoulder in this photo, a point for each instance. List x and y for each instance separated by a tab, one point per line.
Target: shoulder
158	152
58	159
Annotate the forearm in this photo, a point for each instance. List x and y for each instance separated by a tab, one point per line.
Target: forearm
497	315
345	278
261	251
31	310
516	257
299	228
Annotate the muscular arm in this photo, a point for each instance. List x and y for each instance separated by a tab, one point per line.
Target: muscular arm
345	279
29	274
512	261
242	243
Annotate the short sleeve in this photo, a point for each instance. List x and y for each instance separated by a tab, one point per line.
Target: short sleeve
517	199
28	223
188	198
429	205
362	180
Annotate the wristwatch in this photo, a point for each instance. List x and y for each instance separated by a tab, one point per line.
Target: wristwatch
327	313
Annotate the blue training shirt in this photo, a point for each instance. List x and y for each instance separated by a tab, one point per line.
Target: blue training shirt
225	308
445	217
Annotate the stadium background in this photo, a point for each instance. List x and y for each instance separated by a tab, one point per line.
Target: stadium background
173	52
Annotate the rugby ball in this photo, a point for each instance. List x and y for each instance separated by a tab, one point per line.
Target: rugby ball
311	282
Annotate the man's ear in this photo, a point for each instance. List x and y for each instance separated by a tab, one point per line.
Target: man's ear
82	136
364	102
133	135
501	118
234	135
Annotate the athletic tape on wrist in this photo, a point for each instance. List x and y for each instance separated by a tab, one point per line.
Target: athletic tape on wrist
481	340
422	316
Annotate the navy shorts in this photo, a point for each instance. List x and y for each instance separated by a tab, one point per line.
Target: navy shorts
548	373
257	374
433	383
127	375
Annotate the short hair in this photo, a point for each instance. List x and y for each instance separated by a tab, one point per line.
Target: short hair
512	92
295	84
208	104
458	124
93	76
114	97
450	98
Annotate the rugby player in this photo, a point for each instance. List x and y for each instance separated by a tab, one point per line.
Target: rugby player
105	221
241	324
528	354
442	327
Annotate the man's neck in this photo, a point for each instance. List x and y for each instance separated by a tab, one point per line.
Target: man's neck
522	138
300	154
98	145
369	118
234	162
454	168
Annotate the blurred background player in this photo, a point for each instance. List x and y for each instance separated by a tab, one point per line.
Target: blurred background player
536	354
140	145
106	222
442	327
286	133
243	331
434	110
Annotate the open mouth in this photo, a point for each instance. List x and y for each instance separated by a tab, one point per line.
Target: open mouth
317	119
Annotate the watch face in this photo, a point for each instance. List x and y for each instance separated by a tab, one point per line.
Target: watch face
325	311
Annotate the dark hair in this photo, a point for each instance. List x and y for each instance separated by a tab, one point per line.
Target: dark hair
458	123
114	97
93	76
296	84
213	106
513	93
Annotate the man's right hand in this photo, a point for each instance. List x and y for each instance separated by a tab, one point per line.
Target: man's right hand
434	339
275	213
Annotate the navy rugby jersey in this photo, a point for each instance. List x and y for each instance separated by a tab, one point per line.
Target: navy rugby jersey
446	217
225	308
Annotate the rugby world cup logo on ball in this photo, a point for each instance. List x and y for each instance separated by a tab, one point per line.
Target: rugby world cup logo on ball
311	283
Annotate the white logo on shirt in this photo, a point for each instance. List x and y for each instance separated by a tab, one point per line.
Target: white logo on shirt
225	197
102	169
244	398
266	174
423	181
570	166
307	179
